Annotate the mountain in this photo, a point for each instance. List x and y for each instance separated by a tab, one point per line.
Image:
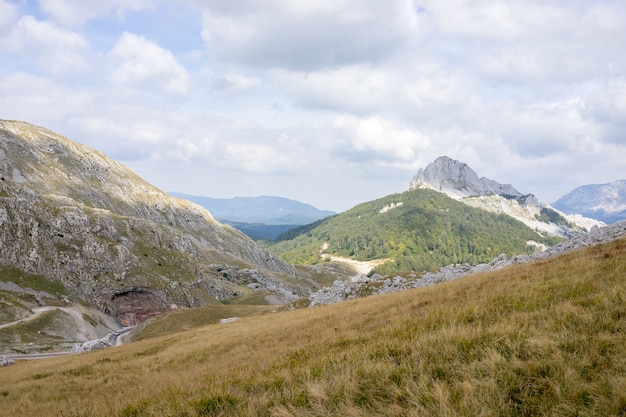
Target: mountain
417	230
604	202
447	216
264	209
459	181
264	217
71	215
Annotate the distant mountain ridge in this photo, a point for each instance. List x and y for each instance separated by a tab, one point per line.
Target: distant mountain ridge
264	209
605	202
457	180
263	217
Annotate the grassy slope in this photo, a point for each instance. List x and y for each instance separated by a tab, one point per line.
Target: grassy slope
429	230
547	338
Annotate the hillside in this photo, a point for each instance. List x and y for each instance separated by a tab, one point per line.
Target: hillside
416	230
71	215
605	202
543	338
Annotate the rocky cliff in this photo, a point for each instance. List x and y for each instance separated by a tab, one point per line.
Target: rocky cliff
70	214
459	181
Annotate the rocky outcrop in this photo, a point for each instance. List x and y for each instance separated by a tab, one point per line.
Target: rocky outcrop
377	284
459	181
91	345
4	361
72	215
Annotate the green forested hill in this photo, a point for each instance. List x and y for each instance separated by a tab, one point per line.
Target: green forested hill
420	230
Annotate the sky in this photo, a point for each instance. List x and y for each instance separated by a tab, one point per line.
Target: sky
328	102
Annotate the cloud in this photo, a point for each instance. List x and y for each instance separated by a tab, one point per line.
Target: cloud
522	42
606	105
354	88
236	83
343	92
8	14
546	129
38	99
76	13
53	49
305	35
250	148
140	62
379	140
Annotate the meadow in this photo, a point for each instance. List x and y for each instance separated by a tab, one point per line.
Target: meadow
538	339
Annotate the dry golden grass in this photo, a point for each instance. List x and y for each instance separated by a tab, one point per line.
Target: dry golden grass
546	338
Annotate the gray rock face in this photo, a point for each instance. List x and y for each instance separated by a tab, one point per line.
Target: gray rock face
458	179
72	215
377	284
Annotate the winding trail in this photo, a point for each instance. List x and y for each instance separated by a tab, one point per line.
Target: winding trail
81	333
36	313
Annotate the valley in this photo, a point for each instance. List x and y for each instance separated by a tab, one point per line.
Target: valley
79	229
337	317
540	338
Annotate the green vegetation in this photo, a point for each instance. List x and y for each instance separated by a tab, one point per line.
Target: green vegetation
46	332
427	231
34	282
548	215
538	339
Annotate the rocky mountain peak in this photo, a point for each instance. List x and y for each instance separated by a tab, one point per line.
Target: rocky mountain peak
458	180
606	202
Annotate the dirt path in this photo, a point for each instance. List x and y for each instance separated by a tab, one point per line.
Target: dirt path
36	313
81	334
362	268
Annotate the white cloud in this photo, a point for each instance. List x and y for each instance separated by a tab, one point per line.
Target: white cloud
524	42
304	35
75	13
261	158
54	50
546	129
237	83
378	139
139	61
355	88
8	14
346	92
